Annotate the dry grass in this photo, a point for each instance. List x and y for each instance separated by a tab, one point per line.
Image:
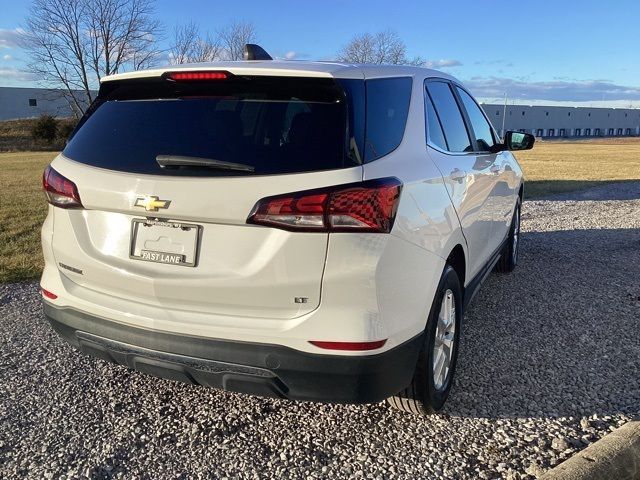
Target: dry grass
22	210
551	167
15	136
563	166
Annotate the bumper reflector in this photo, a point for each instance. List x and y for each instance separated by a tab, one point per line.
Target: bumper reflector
350	346
48	294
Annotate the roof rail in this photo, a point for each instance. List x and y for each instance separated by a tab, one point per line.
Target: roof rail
255	52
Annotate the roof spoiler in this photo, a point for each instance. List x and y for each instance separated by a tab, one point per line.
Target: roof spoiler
255	52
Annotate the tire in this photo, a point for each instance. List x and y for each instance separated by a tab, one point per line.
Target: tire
427	392
509	257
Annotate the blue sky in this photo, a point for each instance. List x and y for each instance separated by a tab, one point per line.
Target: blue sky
538	52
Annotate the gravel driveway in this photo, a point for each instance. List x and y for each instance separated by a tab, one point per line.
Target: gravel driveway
549	363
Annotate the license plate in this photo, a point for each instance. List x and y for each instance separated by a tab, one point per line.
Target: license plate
171	243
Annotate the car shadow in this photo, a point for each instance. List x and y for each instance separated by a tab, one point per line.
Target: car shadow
560	336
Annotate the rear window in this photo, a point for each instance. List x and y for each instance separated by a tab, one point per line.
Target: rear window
270	124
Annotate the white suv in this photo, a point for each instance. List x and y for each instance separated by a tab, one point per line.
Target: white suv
304	230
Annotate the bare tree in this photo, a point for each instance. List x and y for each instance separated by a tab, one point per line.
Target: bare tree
73	43
189	47
226	44
382	47
234	37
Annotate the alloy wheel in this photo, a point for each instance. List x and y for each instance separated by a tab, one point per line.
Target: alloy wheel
444	341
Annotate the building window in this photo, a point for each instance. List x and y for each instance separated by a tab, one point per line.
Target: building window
33	102
611	132
546	113
619	131
551	133
569	114
589	115
596	132
539	132
523	113
587	132
627	131
562	132
578	132
498	112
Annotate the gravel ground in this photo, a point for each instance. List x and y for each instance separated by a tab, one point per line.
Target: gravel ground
549	363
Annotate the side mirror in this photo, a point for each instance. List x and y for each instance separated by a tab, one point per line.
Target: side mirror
518	141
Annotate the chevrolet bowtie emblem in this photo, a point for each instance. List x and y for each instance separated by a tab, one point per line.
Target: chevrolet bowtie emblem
151	203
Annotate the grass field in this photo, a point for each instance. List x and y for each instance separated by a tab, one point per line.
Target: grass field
551	167
563	166
22	210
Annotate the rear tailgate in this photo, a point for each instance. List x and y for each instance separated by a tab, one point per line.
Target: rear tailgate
241	269
293	140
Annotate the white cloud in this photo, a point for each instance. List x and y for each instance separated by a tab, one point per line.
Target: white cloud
7	57
443	63
291	55
16	75
504	63
10	38
562	91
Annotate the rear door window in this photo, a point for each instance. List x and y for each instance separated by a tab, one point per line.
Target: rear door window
450	117
271	124
387	109
481	128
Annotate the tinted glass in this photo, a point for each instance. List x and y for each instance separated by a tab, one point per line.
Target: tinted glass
481	128
387	108
275	125
450	117
435	136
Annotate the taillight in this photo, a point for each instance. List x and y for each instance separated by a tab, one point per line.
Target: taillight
368	206
60	191
196	76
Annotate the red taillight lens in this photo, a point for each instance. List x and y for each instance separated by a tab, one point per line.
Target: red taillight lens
350	346
48	294
358	207
197	76
60	191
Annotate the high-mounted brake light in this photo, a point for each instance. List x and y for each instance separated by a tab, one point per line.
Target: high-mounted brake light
60	191
368	206
350	346
197	76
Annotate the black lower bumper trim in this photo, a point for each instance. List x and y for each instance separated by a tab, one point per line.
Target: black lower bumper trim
257	369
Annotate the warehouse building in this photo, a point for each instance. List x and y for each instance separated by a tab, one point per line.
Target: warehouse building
565	122
541	121
18	103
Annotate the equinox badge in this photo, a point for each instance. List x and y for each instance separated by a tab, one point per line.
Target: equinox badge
151	203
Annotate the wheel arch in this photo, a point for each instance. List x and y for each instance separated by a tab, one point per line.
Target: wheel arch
459	263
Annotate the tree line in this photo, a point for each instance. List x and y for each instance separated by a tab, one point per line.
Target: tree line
72	44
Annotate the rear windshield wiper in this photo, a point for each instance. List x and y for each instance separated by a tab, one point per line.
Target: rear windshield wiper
184	161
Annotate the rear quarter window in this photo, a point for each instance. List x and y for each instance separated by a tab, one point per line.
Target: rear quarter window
450	117
387	106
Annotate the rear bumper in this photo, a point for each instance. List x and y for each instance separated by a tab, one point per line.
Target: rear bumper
253	368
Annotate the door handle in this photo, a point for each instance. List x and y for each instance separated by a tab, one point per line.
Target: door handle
458	175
